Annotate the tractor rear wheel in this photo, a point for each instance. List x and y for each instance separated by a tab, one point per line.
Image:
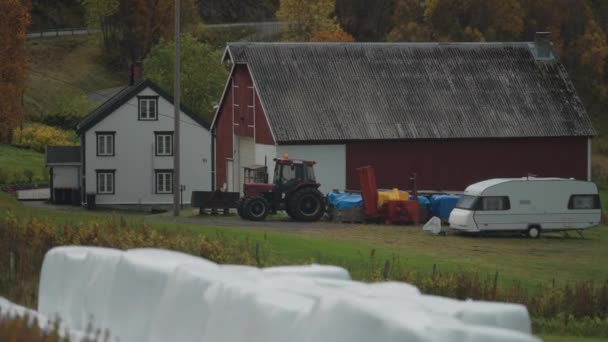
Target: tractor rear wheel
306	204
255	209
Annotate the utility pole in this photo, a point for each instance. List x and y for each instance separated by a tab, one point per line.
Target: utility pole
176	106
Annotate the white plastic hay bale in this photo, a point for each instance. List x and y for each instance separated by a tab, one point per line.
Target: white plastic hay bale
156	295
74	283
254	312
185	308
500	315
313	270
139	284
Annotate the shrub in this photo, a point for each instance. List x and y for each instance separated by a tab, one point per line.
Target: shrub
37	136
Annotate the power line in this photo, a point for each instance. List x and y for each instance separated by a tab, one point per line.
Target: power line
106	97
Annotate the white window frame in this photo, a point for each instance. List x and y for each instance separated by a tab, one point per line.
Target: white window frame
163	181
105	144
161	140
106	182
148	105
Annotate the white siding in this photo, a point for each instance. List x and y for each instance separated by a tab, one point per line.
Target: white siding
135	160
330	169
266	154
245	156
65	177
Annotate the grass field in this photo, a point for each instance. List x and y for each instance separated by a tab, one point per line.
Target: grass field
551	338
532	262
66	66
14	161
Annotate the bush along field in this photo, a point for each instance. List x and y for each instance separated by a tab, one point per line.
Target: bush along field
578	308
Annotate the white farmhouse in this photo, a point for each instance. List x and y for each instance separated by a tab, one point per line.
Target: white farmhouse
127	150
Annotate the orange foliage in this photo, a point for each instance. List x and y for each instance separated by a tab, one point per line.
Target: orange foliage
14	21
339	36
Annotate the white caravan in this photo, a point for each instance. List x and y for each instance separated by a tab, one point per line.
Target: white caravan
529	205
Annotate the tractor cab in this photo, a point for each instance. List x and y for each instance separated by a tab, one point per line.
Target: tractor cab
290	174
294	189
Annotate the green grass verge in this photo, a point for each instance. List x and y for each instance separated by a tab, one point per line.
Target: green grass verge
552	338
15	161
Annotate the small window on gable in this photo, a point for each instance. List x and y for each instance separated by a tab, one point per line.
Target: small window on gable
163	143
148	108
582	202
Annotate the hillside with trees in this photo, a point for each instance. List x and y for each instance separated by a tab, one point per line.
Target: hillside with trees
130	29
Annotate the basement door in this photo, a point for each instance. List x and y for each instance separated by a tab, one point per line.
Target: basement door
246	157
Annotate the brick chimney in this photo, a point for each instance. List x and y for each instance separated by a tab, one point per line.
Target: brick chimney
544	47
137	73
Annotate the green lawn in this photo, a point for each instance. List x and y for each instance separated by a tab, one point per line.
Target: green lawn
14	161
550	338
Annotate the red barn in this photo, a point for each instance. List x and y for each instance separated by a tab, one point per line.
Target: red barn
453	113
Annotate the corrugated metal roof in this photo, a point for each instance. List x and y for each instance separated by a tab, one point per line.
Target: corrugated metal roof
359	91
62	155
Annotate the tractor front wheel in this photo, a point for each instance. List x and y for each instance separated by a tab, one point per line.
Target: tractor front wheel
306	204
255	209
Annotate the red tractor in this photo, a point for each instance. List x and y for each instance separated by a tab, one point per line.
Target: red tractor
294	190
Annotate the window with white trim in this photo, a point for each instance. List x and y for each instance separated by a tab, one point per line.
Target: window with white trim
164	181
148	108
105	181
105	144
164	143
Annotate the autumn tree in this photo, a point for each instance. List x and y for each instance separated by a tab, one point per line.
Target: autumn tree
14	21
496	20
228	11
324	36
202	76
364	19
408	23
304	18
131	27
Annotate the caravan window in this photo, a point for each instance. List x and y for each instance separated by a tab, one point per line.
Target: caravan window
466	202
584	202
494	203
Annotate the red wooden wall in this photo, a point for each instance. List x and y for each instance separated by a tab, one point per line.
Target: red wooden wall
241	113
455	164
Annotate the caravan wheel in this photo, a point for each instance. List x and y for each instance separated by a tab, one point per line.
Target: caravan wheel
533	232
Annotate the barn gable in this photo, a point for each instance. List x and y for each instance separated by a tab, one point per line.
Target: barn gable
327	92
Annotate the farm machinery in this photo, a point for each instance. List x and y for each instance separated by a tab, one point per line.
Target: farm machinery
392	210
294	189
